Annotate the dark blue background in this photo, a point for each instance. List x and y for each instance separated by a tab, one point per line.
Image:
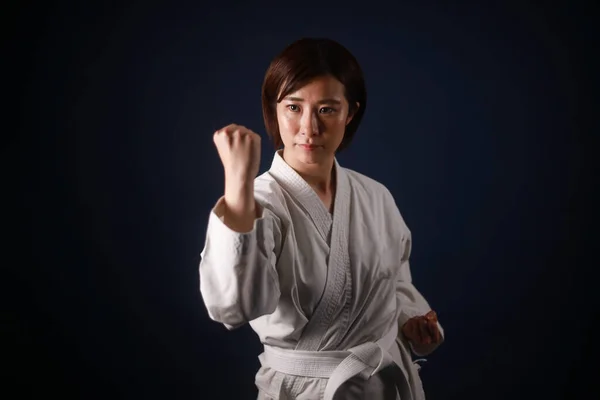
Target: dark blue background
476	122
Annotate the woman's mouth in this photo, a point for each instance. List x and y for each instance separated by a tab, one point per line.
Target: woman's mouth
308	147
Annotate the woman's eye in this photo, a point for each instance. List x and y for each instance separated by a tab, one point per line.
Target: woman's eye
326	110
293	107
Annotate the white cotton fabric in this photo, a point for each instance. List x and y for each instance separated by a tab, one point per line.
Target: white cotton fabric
317	286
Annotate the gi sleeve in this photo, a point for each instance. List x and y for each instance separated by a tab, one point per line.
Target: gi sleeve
411	302
238	279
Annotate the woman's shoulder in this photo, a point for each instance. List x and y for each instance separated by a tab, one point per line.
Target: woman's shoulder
376	192
266	186
367	184
269	194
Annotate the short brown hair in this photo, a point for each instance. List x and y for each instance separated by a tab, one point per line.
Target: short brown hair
299	63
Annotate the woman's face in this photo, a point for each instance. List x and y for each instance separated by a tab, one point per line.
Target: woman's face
312	121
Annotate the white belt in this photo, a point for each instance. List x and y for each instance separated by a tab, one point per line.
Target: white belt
366	360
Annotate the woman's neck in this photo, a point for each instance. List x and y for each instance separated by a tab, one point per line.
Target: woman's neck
321	176
322	181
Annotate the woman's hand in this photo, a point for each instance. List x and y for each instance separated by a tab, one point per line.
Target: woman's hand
239	150
423	330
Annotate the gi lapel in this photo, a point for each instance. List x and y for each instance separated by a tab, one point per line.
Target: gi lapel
303	194
334	304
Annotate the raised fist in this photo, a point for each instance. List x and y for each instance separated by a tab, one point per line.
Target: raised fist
239	149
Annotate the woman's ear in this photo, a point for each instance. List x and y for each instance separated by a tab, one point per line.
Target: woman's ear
352	112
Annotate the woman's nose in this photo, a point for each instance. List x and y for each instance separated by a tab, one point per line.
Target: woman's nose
310	124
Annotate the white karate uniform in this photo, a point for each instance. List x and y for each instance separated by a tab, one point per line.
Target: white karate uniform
326	294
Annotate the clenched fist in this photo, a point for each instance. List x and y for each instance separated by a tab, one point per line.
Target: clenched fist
239	149
423	330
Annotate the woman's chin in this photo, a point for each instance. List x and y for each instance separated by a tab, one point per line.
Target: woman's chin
312	158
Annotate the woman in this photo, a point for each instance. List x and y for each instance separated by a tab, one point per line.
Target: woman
315	256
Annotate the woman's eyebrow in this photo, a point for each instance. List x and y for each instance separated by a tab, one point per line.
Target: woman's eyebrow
324	101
